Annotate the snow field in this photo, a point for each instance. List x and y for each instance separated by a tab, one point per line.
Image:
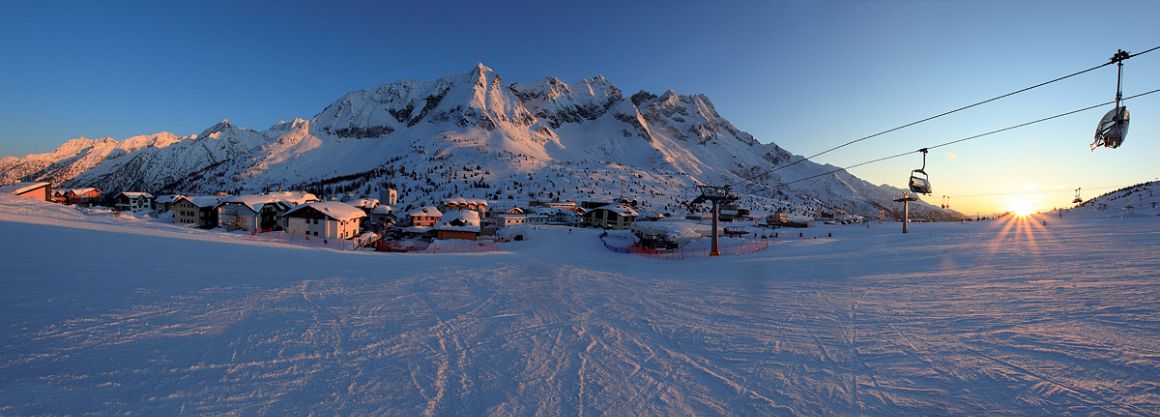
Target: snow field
1012	318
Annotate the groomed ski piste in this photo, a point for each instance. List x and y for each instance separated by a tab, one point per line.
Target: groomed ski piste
108	316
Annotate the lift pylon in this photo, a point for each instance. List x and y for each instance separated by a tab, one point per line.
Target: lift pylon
718	195
905	200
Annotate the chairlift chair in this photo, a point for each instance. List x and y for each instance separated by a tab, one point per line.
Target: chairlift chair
1113	127
920	184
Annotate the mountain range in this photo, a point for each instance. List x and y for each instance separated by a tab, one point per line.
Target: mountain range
474	135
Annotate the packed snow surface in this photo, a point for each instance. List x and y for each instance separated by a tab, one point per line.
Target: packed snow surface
108	316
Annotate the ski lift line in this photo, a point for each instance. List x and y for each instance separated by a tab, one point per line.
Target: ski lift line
1032	192
946	113
968	138
1040	120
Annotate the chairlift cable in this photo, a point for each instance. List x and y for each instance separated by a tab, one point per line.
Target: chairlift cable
969	137
946	113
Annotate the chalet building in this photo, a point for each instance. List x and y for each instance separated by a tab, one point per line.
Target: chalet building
35	190
617	216
260	212
164	203
250	214
83	196
497	208
562	216
324	220
60	196
198	211
380	218
518	211
459	203
133	201
425	216
459	224
507	220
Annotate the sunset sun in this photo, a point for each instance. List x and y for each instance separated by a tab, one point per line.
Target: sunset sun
1021	206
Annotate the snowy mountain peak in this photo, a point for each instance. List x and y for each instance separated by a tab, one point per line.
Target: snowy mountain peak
480	68
473	135
223	127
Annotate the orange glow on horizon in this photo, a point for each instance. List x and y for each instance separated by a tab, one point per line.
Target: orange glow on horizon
1020	206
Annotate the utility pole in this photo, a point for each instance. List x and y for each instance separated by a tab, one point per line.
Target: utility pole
906	199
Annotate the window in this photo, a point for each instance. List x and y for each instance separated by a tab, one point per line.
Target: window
316	233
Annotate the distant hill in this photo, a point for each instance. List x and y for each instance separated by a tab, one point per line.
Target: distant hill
1137	200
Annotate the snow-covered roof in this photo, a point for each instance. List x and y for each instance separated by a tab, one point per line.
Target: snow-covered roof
619	209
524	216
84	190
681	231
256	202
364	203
253	202
332	209
136	194
294	197
426	211
168	198
462	201
460	221
22	187
202	201
381	209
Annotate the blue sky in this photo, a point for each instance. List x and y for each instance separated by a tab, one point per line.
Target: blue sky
807	75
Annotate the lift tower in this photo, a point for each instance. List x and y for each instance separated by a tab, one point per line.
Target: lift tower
718	195
905	200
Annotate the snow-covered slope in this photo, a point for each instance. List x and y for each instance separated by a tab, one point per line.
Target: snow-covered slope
989	318
1138	200
473	135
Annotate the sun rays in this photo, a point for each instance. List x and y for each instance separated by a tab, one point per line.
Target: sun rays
1020	230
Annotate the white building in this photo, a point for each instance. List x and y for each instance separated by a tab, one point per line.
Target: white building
134	201
261	212
164	203
508	220
199	210
618	216
324	220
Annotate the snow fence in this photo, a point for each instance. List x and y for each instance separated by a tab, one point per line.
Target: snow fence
724	247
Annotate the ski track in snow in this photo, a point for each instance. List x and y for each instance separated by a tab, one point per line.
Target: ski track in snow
950	320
